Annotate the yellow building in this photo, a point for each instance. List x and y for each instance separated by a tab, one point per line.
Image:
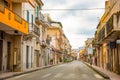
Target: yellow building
55	33
72	54
44	46
107	37
82	54
38	31
12	29
66	47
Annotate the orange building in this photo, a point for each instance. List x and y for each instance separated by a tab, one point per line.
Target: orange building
12	29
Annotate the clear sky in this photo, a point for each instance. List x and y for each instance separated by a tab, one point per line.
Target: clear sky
78	25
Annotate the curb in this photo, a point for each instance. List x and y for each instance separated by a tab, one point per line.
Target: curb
99	72
28	72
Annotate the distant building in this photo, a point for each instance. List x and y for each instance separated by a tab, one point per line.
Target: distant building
88	46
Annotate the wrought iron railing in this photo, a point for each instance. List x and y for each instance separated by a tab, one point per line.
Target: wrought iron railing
34	29
109	25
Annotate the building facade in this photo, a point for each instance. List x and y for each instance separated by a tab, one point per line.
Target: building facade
55	34
28	39
107	37
12	29
88	49
31	44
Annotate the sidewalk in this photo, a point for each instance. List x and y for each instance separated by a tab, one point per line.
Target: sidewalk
105	73
12	74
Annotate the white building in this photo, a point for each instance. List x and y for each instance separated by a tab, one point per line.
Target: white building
31	44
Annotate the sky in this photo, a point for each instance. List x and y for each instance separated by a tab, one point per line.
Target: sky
78	25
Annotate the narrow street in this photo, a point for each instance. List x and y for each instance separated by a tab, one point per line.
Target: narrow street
75	70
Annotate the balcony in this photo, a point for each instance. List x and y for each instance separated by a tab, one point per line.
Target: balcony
10	21
34	30
99	36
113	27
102	33
32	2
109	25
43	44
39	19
96	39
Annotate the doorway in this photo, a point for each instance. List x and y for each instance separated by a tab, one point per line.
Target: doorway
8	55
27	57
118	57
1	54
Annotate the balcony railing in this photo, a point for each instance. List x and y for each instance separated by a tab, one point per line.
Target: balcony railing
111	30
43	44
13	20
102	33
34	29
109	25
99	36
39	19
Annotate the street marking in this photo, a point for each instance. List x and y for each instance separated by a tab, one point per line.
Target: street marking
46	75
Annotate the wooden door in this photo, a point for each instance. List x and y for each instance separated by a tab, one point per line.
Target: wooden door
8	55
1	53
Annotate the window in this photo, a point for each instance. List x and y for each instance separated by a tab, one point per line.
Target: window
32	19
6	4
27	56
31	55
27	16
37	11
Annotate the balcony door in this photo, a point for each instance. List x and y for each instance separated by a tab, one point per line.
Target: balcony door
27	57
1	53
118	57
8	55
6	4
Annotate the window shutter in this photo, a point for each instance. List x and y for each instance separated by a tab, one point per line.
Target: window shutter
27	16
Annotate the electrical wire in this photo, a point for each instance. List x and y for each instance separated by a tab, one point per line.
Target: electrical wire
73	9
86	9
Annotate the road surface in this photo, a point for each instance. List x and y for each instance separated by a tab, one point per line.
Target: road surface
75	70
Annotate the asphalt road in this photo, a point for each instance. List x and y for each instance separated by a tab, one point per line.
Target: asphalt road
75	70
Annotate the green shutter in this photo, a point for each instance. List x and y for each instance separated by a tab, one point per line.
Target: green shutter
32	18
37	11
28	16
